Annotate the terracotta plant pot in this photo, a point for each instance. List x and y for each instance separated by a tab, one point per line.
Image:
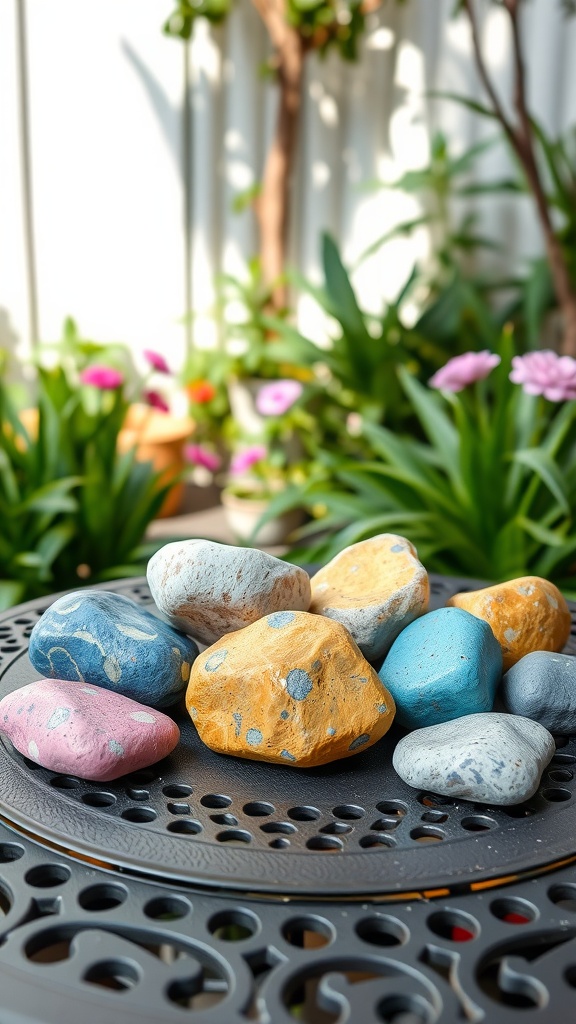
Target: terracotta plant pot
158	438
242	514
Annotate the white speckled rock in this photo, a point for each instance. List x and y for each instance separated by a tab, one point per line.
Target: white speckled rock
374	588
487	758
208	589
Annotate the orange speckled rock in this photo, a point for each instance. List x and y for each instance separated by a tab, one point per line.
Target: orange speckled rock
374	588
291	688
527	614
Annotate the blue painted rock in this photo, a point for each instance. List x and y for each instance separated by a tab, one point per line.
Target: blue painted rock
209	589
85	730
97	637
442	666
291	688
526	614
491	758
374	588
542	686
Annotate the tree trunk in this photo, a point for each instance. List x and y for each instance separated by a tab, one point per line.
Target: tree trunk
273	204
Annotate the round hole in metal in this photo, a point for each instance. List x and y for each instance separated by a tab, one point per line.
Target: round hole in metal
279	844
556	795
118	975
47	876
234	835
167	908
215	800
518	811
564	896
560	775
279	826
385	824
258	809
326	844
336	828
102	897
378	839
427	834
434	816
184	827
6	900
434	800
139	815
570	976
224	819
308	932
514	910
233	925
382	930
98	799
133	793
406	1009
177	790
175	808
142	778
10	852
392	808
563	759
304	813
349	812
477	823
454	925
64	782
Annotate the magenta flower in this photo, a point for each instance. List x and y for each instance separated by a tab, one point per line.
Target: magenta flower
276	398
156	400
463	370
200	456
156	360
104	377
247	458
545	373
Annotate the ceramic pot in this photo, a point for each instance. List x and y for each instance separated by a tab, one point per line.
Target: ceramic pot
158	438
242	514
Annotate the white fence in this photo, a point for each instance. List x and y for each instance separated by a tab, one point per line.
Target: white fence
121	151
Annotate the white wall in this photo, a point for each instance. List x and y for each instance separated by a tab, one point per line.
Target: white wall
127	132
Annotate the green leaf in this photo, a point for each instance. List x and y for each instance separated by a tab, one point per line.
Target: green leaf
437	427
547	470
464	101
11	592
547	537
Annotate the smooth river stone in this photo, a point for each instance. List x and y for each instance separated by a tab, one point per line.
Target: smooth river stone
292	688
85	730
492	758
527	614
94	636
374	588
442	666
542	686
209	589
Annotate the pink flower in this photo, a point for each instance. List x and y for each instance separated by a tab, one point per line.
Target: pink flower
156	360
154	399
276	398
463	370
545	373
247	458
104	377
200	456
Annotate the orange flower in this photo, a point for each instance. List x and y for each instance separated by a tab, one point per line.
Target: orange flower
200	391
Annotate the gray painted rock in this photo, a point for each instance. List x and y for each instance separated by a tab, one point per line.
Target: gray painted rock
374	588
444	665
209	589
94	636
85	730
542	686
489	758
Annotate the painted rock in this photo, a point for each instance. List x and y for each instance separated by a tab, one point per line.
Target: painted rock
492	758
442	666
542	686
85	730
291	688
527	614
93	636
374	588
209	589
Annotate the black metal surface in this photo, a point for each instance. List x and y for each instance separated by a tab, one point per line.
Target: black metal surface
351	828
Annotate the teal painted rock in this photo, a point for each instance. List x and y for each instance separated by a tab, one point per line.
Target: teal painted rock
542	686
84	730
444	665
490	758
209	589
93	636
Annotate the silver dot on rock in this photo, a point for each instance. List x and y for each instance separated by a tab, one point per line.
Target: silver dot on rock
298	684
215	660
142	716
58	717
359	741
279	619
254	737
115	747
33	749
287	755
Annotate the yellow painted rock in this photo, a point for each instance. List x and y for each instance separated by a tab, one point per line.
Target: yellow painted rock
291	688
374	588
527	614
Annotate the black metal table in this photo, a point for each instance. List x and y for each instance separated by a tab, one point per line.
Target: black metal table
217	889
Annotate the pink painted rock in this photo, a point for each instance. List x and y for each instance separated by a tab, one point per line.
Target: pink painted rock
85	730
